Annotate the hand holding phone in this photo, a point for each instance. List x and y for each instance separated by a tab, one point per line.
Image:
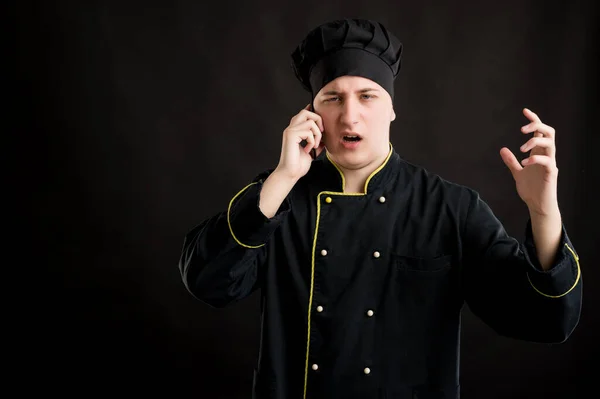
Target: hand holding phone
320	146
302	137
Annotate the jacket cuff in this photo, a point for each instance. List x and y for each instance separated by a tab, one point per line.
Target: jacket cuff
565	272
248	226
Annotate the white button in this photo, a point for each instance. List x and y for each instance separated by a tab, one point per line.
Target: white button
369	313
376	254
314	366
319	309
382	199
323	252
367	370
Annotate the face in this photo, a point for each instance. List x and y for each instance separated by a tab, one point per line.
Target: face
356	114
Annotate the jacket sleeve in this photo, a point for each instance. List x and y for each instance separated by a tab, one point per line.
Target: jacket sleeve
222	257
505	286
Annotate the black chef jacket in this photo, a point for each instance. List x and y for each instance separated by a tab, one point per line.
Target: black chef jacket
361	294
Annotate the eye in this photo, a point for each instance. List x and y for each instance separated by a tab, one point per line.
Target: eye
368	96
331	99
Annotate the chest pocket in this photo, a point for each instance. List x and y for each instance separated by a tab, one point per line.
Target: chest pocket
416	265
424	282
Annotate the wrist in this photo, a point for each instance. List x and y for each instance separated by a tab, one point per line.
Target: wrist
284	177
553	213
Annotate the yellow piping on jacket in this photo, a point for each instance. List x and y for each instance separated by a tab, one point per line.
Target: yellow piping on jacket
229	222
574	284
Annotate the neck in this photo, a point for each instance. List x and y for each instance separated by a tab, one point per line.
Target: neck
355	179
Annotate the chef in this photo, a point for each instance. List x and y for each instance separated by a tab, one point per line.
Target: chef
364	260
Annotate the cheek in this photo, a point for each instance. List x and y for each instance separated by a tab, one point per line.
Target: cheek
328	121
379	122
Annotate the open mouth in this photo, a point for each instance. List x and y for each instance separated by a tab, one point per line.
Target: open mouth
352	138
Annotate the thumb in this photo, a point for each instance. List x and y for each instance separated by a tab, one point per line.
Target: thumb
510	161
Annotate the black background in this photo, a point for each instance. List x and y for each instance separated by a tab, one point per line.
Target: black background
139	119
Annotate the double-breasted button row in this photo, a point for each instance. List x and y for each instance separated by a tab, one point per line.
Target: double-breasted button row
366	370
376	254
329	200
369	312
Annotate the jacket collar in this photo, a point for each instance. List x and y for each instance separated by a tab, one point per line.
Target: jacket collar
332	178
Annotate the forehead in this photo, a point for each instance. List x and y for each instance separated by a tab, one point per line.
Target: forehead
349	84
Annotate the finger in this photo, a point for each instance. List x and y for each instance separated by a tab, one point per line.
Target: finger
543	129
315	117
542	160
543	142
318	135
305	115
532	116
307	135
306	126
510	161
310	140
309	126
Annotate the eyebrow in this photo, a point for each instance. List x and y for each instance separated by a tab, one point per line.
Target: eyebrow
333	92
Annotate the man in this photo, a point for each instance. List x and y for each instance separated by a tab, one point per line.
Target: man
364	260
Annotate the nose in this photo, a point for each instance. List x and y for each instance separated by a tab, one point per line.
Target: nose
350	112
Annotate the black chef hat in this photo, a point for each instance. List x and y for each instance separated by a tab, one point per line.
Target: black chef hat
356	47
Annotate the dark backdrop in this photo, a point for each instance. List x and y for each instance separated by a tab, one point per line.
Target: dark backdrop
140	119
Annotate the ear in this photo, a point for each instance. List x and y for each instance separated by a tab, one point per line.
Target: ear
393	117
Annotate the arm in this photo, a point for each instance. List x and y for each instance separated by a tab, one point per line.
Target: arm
505	285
547	230
222	257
